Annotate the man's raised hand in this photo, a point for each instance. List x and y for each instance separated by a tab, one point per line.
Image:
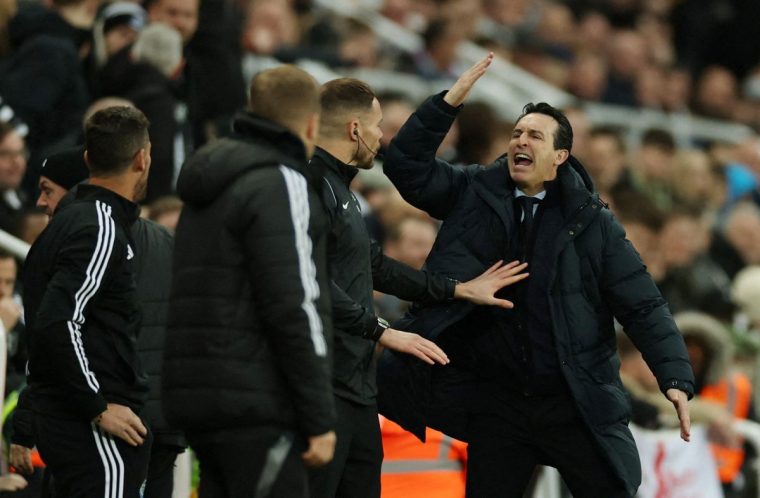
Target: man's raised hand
464	84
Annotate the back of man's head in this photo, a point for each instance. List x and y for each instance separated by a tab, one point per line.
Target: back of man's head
343	99
287	95
113	136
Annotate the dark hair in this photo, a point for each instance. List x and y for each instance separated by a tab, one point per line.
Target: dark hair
112	138
612	132
436	30
286	95
341	96
5	254
5	129
662	139
563	137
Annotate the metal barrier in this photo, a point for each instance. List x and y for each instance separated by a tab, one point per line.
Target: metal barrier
14	245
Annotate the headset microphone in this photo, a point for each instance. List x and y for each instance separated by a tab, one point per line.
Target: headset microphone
374	152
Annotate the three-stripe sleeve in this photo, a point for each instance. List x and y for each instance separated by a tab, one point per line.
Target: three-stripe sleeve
298	197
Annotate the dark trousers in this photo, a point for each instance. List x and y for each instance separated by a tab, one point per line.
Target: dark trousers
87	462
160	483
506	445
252	465
355	468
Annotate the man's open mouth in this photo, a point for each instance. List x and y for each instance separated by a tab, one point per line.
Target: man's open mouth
523	160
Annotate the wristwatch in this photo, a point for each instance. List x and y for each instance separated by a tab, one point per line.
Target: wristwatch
382	324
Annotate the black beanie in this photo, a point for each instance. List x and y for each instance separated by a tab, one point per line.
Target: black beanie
66	168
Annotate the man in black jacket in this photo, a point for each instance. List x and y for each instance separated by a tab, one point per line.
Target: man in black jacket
349	138
85	379
539	383
246	371
153	245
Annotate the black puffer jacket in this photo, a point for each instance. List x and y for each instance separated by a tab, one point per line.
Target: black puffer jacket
595	275
249	318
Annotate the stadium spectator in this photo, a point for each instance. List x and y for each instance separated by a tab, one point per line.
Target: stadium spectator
13	165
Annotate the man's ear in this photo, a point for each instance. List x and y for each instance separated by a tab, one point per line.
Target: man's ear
87	160
312	128
562	156
352	128
140	163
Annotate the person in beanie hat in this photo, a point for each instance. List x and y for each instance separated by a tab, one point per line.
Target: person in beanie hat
116	27
59	173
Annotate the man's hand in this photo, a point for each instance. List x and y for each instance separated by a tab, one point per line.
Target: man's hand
9	312
681	401
121	421
481	289
464	84
321	449
21	459
12	482
415	345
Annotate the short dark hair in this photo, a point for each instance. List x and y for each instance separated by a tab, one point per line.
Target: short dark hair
340	96
112	138
5	254
5	130
563	137
659	138
286	95
613	132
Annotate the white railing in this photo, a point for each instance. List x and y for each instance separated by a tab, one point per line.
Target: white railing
17	247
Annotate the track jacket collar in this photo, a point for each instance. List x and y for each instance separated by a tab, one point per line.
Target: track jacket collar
124	210
343	170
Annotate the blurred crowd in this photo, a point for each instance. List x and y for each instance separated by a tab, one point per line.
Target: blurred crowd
693	212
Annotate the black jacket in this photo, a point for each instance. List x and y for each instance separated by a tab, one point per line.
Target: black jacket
81	309
595	275
357	265
249	318
154	248
43	78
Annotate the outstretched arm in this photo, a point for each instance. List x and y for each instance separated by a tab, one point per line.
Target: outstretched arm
425	182
393	277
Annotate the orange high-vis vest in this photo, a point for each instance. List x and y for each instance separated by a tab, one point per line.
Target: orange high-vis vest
735	395
412	469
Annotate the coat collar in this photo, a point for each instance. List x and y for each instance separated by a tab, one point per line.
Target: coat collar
123	209
332	163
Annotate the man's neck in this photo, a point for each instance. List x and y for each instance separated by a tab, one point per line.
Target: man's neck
339	149
115	184
78	16
531	191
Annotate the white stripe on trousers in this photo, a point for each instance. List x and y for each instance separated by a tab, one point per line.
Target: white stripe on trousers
298	197
94	276
113	465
